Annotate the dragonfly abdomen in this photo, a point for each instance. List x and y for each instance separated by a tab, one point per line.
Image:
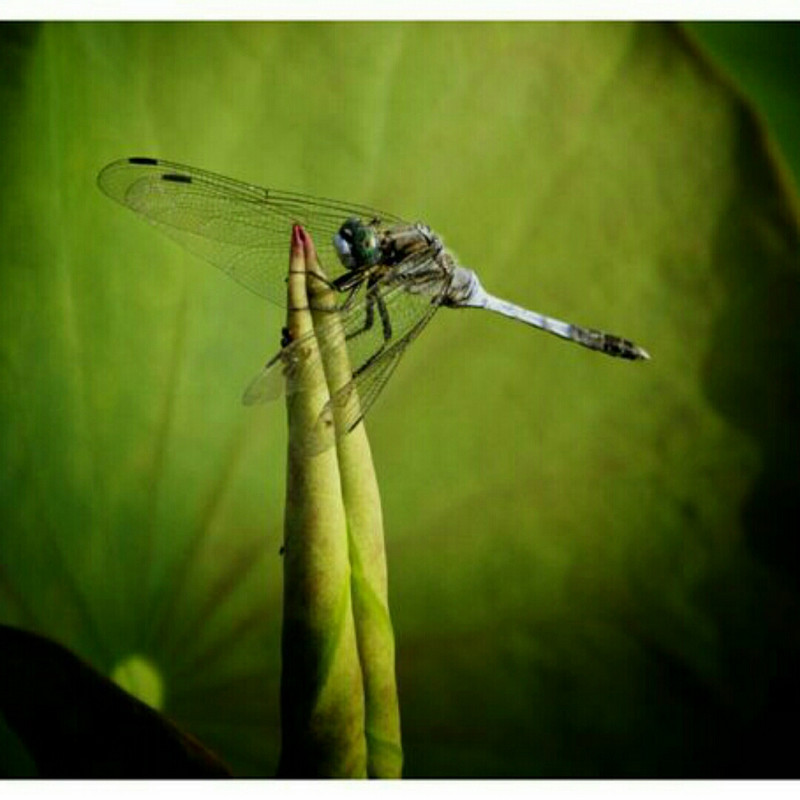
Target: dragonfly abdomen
607	343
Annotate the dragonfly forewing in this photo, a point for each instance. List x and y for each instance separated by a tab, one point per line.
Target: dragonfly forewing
242	229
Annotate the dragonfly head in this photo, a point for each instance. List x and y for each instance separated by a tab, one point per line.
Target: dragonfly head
357	244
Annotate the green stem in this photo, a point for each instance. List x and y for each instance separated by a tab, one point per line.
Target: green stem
362	503
322	694
340	713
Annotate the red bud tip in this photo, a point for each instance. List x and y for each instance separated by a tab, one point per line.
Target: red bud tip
297	237
308	244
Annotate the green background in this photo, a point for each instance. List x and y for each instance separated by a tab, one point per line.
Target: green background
593	564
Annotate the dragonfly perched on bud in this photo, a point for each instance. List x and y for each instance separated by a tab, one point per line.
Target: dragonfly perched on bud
390	276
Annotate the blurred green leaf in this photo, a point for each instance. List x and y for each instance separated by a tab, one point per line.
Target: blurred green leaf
78	724
761	57
593	565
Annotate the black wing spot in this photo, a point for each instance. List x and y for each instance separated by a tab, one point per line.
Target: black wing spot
147	161
175	178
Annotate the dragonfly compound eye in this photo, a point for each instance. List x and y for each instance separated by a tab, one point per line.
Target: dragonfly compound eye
343	250
343	243
365	246
357	244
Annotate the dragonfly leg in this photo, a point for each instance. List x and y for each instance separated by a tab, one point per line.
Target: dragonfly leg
373	297
369	309
385	320
349	299
387	331
369	318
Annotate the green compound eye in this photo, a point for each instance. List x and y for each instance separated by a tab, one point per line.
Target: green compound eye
365	245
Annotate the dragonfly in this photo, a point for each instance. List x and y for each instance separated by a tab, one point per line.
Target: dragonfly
389	276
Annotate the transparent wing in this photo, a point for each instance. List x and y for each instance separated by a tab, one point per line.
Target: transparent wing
349	404
375	329
352	402
369	381
242	229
